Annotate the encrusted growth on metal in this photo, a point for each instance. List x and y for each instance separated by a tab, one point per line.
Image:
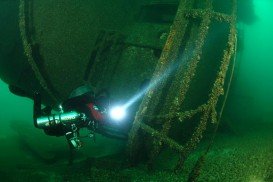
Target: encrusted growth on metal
168	56
181	82
28	50
199	13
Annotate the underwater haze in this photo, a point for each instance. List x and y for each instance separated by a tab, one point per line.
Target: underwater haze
242	149
25	148
251	97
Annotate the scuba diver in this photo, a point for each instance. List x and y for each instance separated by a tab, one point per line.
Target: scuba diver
83	109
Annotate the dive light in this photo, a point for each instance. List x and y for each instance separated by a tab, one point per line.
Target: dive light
56	119
117	113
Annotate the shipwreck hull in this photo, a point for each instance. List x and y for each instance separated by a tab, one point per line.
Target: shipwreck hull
61	45
186	47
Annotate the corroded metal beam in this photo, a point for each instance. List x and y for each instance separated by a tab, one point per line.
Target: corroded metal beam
185	73
168	56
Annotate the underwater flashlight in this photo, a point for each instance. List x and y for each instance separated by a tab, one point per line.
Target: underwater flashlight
56	119
118	113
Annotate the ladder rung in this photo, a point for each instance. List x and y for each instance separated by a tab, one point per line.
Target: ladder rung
199	13
165	139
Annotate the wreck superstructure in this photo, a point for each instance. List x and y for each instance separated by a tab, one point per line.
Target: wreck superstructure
179	102
63	44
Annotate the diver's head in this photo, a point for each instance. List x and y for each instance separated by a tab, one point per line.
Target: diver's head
82	90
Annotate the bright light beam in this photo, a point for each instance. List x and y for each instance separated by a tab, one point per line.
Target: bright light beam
150	86
118	113
154	83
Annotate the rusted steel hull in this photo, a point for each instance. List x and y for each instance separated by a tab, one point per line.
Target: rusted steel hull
188	45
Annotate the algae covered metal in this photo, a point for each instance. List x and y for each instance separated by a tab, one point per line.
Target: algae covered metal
185	47
102	43
173	106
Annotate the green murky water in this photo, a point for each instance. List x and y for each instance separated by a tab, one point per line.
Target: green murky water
242	150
